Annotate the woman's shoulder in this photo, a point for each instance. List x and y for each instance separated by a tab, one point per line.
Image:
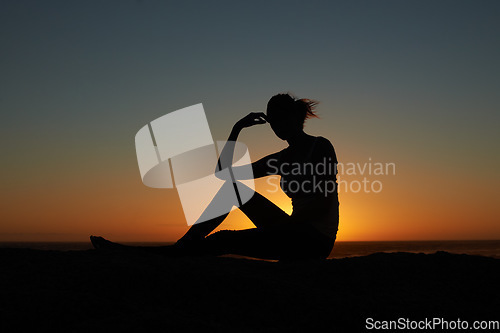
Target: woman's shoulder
324	146
323	142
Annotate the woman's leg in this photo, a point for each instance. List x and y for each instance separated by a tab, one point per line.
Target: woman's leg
262	212
294	241
264	243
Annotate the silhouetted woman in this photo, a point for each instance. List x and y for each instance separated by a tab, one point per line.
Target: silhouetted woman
307	168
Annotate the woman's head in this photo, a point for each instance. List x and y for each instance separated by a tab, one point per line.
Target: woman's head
287	114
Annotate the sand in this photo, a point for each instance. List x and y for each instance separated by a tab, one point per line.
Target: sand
89	291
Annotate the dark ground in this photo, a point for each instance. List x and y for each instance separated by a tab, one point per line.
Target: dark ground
89	291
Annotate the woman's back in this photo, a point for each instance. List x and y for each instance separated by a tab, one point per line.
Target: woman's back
308	177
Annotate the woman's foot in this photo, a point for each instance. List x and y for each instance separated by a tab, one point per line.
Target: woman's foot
101	243
176	250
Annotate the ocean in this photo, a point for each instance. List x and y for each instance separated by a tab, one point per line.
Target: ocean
489	248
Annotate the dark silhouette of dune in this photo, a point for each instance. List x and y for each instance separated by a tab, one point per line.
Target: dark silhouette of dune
82	291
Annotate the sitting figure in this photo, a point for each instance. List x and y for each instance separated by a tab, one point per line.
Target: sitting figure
307	168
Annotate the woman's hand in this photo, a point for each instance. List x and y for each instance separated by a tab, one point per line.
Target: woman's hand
251	119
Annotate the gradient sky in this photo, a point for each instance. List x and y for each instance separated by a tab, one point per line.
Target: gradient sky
415	83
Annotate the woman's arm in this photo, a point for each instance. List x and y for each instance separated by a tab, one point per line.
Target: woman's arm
226	156
266	166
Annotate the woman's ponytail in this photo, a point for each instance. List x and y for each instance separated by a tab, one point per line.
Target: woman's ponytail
306	108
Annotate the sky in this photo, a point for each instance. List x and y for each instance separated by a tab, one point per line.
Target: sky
413	83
